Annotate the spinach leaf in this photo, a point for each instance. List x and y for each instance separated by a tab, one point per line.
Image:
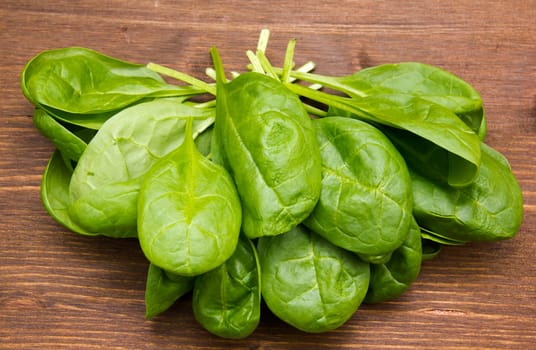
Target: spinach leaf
439	238
79	81
426	158
365	203
310	283
421	123
483	129
203	142
90	121
390	280
110	210
105	184
64	139
430	249
226	301
421	80
488	210
55	192
265	138
189	212
163	289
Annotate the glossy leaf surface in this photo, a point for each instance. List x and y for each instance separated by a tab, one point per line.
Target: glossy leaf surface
266	140
82	81
105	184
189	212
226	301
203	142
163	289
390	280
366	202
421	122
488	210
64	139
55	193
310	283
425	81
110	210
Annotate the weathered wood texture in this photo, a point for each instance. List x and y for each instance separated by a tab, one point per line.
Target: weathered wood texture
59	290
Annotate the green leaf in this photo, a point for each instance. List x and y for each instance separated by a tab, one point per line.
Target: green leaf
391	279
64	139
226	301
439	238
265	139
203	141
189	212
163	289
432	161
310	283
418	123
81	81
427	82
110	210
488	210
55	193
430	249
365	204
107	178
416	79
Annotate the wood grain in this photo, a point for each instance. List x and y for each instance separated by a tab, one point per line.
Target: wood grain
59	290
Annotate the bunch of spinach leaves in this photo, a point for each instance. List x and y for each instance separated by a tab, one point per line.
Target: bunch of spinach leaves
255	194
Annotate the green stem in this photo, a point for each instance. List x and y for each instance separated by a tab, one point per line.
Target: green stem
255	62
218	66
211	73
307	67
289	61
211	89
315	111
338	102
267	66
330	82
263	40
189	134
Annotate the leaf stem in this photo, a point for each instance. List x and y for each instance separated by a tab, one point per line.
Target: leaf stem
288	64
267	66
211	89
211	73
218	66
188	132
338	102
315	111
327	81
255	62
263	40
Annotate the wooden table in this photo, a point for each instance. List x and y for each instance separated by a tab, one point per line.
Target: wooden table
59	290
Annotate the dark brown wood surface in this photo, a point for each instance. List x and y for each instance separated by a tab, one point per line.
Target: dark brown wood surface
59	290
